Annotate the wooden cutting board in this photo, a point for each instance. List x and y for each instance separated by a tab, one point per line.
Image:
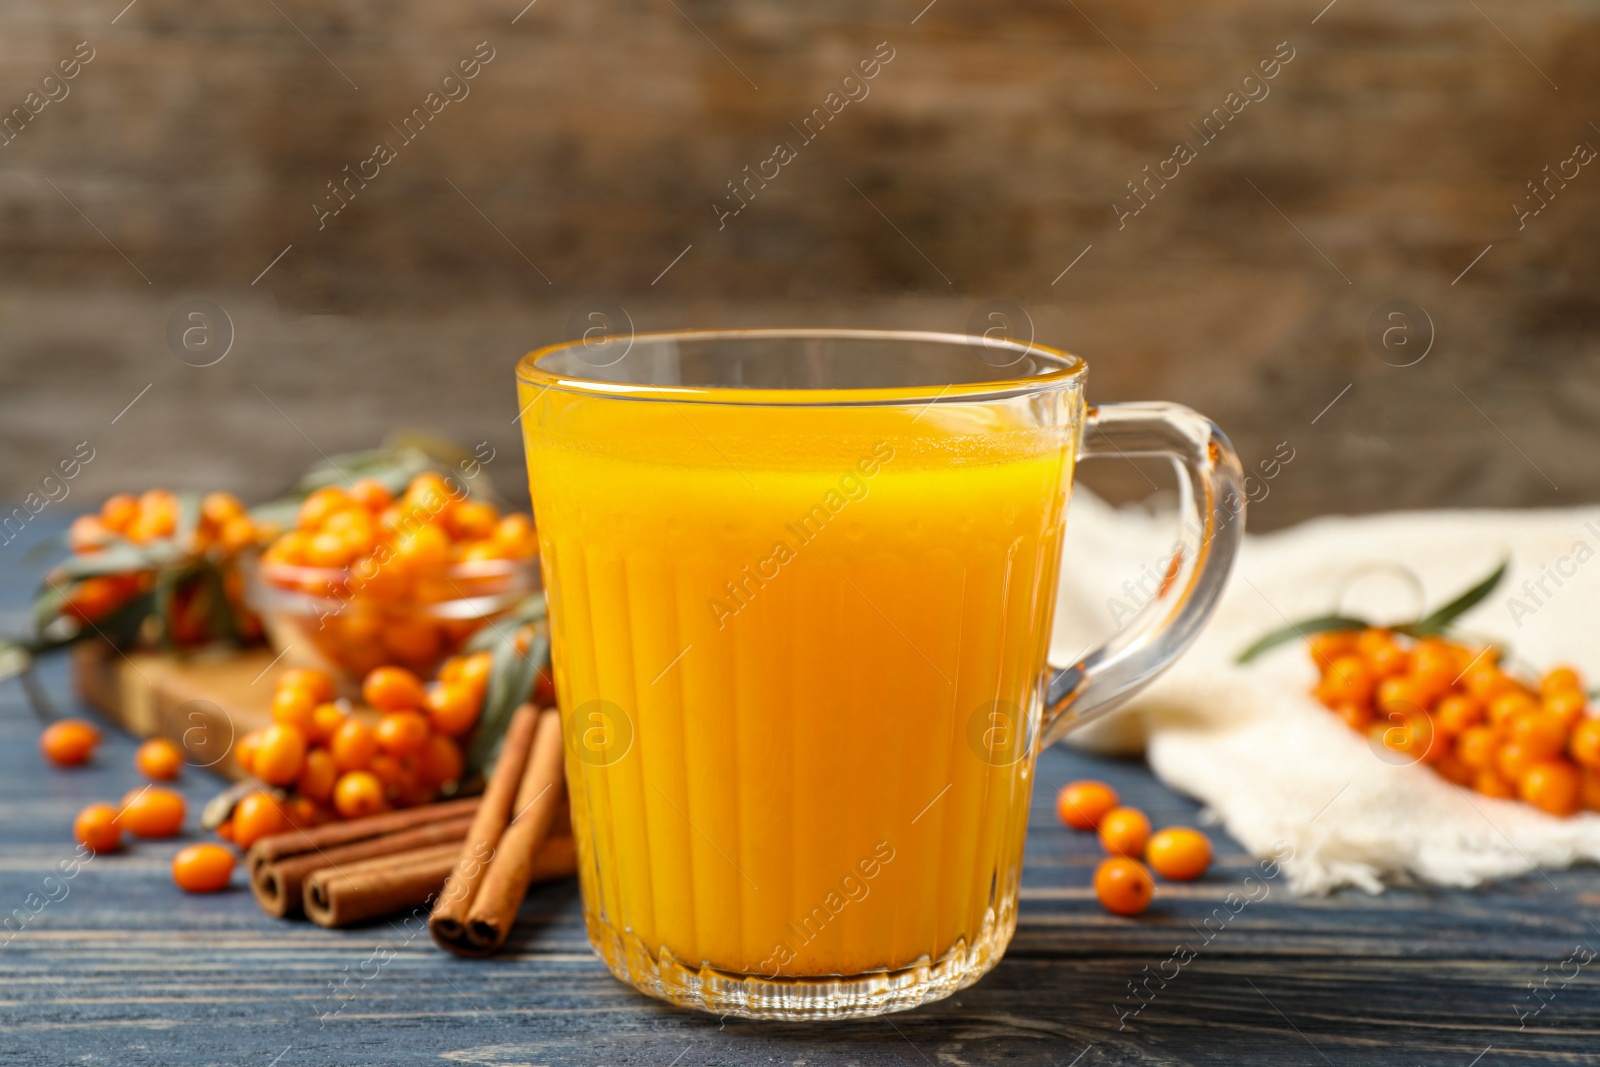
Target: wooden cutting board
203	702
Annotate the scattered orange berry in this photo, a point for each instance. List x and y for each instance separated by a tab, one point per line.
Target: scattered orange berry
152	812
1179	853
1124	831
96	828
1082	804
1123	885
158	759
69	742
202	868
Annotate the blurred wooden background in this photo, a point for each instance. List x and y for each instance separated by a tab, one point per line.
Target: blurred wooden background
187	155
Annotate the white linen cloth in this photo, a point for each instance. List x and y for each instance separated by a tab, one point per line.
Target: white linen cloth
1265	757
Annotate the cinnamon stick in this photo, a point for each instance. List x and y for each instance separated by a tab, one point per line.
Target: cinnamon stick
510	871
447	921
372	889
278	884
342	833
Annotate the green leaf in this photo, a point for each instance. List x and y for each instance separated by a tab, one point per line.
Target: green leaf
1303	628
510	686
1439	621
119	557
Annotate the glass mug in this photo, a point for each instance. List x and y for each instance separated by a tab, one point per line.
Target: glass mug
800	587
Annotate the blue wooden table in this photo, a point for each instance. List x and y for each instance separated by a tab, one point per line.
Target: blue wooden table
115	966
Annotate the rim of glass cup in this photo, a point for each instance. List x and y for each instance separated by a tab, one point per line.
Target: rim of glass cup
1062	368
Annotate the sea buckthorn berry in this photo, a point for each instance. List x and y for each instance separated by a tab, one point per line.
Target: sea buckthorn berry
1123	885
1555	786
1585	743
1329	645
1082	804
69	742
353	745
475	670
119	511
453	707
439	762
317	776
1509	704
1179	853
244	750
1485	680
371	494
237	534
152	812
1451	768
257	815
1402	694
218	508
1490	783
1560	679
426	548
1458	711
1513	760
357	794
1591	789
281	753
393	689
87	533
202	868
1355	716
1382	653
1433	667
402	733
1124	831
295	706
158	759
327	549
515	536
389	771
325	722
1568	705
472	520
1477	745
319	684
96	828
1349	681
319	504
1539	733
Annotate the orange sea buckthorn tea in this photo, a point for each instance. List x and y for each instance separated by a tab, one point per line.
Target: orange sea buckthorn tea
800	588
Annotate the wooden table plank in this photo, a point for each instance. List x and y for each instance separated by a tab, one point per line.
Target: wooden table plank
125	970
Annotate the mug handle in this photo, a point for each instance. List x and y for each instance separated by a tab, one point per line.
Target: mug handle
1211	507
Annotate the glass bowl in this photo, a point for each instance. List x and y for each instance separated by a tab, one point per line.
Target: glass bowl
335	620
